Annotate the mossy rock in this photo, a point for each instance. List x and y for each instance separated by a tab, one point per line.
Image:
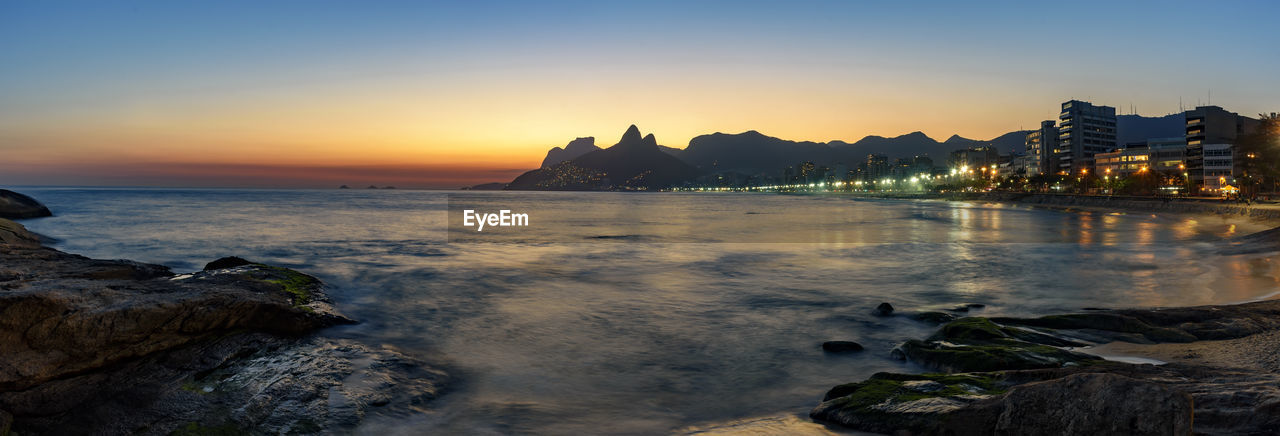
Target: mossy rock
300	287
1111	322
952	384
979	330
994	355
889	402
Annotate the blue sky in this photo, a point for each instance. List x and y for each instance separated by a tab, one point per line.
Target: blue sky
443	83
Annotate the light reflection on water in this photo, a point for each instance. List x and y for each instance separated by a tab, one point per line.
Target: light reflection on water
646	331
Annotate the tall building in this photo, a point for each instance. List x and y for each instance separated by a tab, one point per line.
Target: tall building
877	167
974	158
1212	125
1040	146
1085	130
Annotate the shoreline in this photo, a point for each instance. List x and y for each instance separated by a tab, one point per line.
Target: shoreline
120	347
1220	363
1266	213
1230	321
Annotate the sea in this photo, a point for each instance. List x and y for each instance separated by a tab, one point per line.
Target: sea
651	313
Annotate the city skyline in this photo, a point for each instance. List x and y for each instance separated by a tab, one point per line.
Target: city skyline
314	95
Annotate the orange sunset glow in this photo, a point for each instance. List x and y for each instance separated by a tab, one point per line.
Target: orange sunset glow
442	103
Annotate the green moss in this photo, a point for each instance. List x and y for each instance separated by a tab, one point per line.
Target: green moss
890	387
294	283
197	429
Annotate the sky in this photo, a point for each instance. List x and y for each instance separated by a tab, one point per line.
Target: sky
446	94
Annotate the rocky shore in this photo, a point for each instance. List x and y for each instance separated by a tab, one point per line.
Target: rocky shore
119	347
1045	376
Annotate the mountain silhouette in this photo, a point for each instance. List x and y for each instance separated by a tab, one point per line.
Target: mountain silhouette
573	149
635	163
750	151
1137	128
911	144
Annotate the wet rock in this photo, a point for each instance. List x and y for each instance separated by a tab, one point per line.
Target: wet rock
933	317
884	309
1104	321
17	206
14	235
69	314
841	346
887	403
963	404
226	262
977	344
965	307
1091	404
994	356
1071	393
119	347
254	383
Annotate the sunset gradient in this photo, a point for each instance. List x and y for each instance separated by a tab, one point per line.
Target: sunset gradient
417	94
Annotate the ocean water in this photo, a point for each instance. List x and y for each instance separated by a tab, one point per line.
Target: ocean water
648	313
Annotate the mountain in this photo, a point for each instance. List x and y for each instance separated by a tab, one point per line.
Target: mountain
958	142
750	152
1136	128
634	163
1012	141
573	149
911	144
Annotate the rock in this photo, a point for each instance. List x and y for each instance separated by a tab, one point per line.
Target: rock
975	404
978	344
6	423
887	403
344	187
884	309
14	235
254	383
994	356
965	307
17	206
841	346
1071	393
67	314
933	317
1092	404
226	262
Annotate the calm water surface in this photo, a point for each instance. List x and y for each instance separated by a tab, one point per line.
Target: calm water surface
646	313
